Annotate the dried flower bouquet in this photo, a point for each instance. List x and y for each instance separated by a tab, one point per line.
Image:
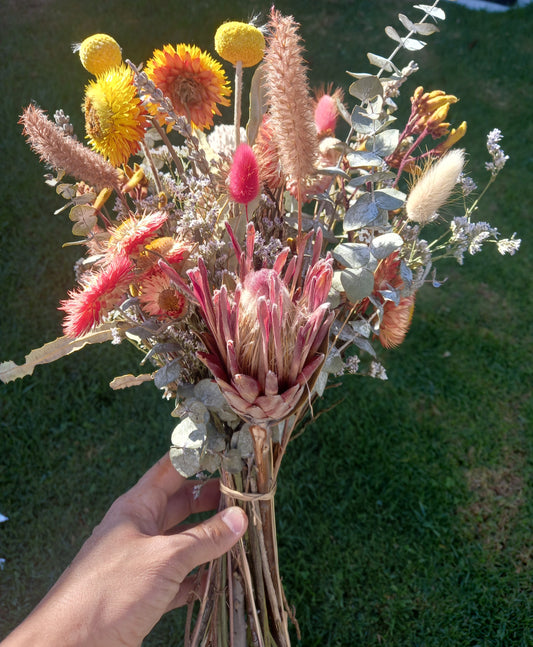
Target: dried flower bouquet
250	265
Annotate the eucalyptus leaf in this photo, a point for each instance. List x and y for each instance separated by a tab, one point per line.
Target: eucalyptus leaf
389	199
408	24
363	158
360	214
361	327
81	212
379	176
434	12
353	255
85	198
361	121
194	410
366	88
357	284
185	461
425	28
67	191
413	44
167	374
167	347
406	273
365	345
333	171
257	104
382	62
392	33
232	461
84	226
384	245
336	281
385	143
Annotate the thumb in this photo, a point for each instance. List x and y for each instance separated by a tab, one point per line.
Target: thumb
210	539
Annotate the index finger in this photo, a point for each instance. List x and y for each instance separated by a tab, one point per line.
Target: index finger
163	476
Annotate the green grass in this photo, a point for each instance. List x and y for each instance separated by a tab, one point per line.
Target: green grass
405	514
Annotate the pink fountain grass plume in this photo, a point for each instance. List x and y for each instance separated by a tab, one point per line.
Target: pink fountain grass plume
63	152
290	104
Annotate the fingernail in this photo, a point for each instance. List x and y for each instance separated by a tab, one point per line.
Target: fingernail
234	519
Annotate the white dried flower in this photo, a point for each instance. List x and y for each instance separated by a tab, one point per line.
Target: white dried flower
467	183
434	187
509	245
378	371
499	158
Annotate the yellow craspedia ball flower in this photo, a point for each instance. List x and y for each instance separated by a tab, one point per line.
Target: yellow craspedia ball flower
100	52
240	41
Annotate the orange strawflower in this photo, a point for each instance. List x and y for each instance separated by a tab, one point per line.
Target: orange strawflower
192	80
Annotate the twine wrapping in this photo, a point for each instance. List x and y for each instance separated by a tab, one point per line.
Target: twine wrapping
249	497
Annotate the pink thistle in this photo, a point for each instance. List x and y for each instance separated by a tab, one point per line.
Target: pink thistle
244	175
100	293
265	340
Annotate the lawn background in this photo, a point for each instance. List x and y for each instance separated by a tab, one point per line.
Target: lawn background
405	514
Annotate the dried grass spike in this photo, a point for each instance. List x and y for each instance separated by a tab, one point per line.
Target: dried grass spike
61	151
290	104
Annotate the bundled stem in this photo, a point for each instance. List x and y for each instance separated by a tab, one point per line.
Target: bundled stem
244	604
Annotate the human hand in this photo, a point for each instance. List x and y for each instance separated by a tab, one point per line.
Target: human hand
134	566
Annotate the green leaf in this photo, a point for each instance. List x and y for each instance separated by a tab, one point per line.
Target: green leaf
366	88
385	143
382	62
352	255
392	33
363	158
408	24
425	28
167	374
67	191
361	121
434	12
389	199
360	214
413	44
85	218
384	245
257	104
357	284
380	176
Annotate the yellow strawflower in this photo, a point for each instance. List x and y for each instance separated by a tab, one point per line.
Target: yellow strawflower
115	120
99	52
240	41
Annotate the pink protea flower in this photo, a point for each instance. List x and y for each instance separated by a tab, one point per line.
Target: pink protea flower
244	175
100	293
266	340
